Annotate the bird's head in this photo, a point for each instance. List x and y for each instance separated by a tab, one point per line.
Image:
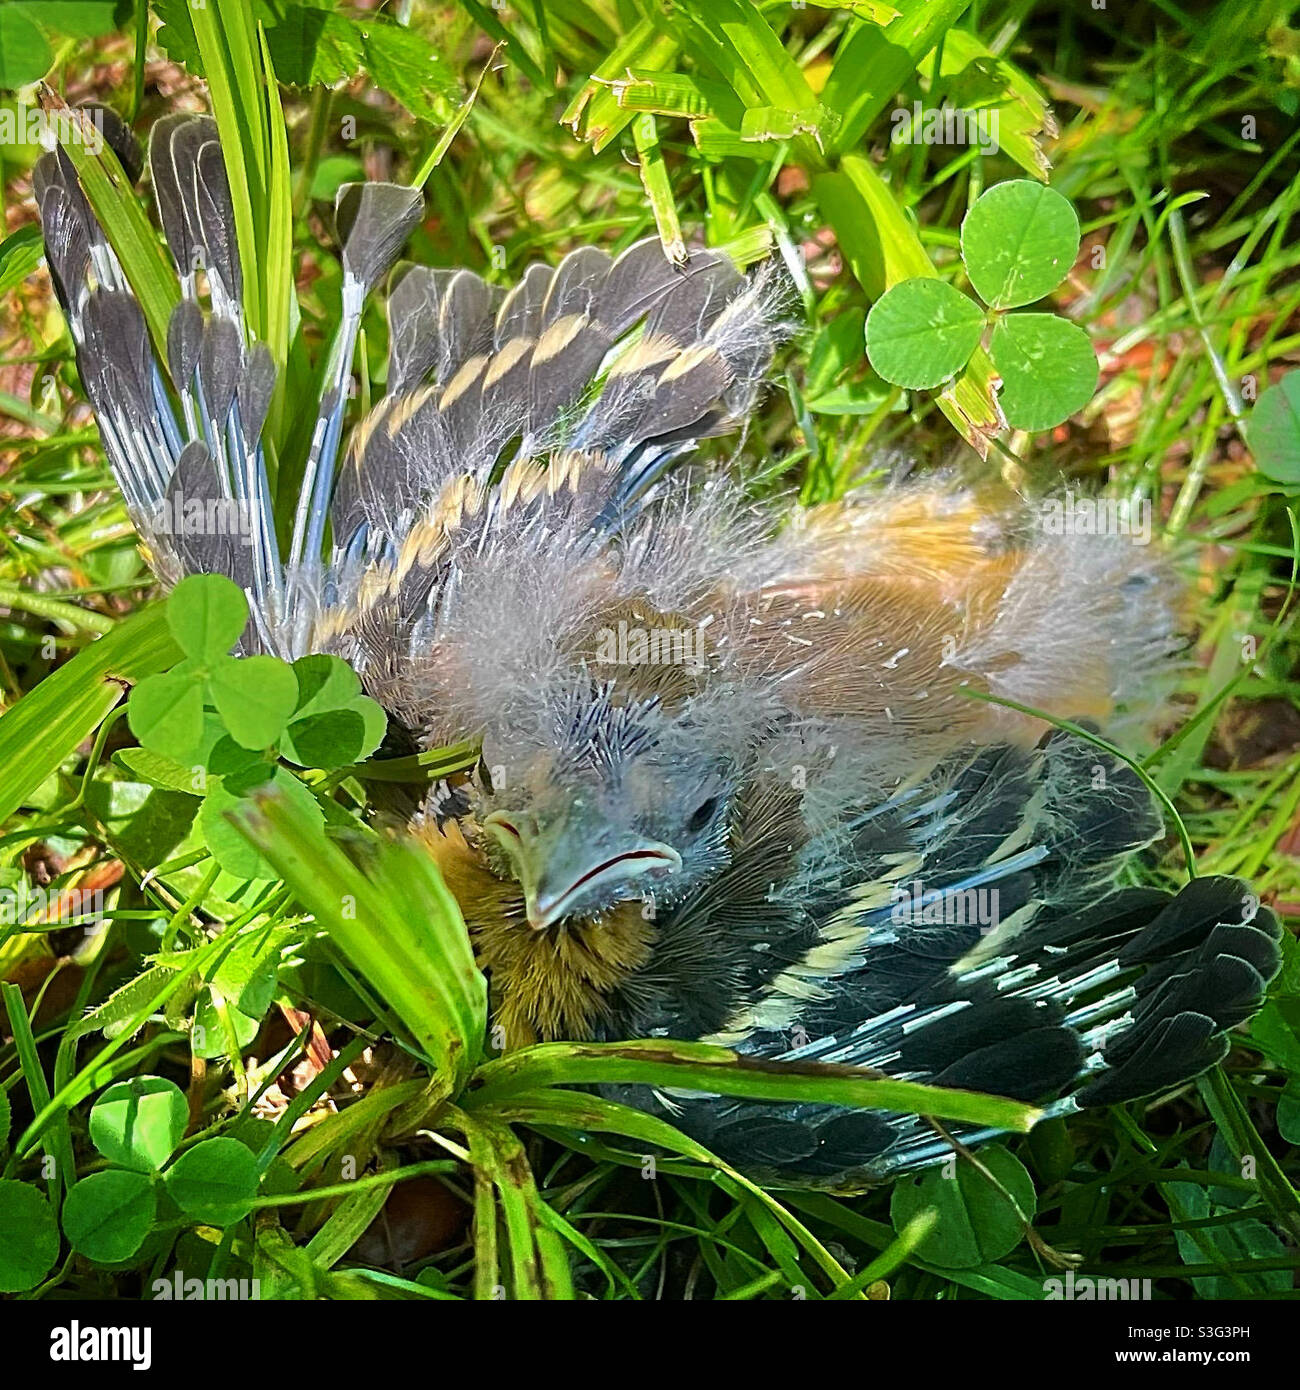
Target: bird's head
611	804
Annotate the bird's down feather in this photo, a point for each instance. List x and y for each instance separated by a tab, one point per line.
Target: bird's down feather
734	783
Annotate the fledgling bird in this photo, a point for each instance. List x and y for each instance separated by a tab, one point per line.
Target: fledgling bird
733	784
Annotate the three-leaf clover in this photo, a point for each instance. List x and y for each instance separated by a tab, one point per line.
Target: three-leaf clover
1018	241
215	725
253	696
138	1125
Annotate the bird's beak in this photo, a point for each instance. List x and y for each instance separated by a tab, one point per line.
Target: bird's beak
556	866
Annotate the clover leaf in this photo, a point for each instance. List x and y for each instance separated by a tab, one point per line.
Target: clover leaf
215	1182
254	698
1018	241
207	615
1048	369
139	1123
922	332
1273	430
215	725
165	713
334	724
107	1215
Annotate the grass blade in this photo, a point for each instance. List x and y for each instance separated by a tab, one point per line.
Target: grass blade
395	922
716	1069
46	726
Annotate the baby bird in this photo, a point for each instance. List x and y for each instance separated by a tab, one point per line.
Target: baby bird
750	773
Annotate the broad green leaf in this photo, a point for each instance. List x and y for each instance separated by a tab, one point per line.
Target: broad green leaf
215	1182
310	45
139	1123
166	713
1237	1242
1019	242
232	850
82	19
176	34
248	974
206	613
107	1216
214	753
1288	1113
1273	430
221	1029
1048	369
25	53
20	254
47	725
255	697
922	332
408	68
977	1224
160	771
315	45
29	1237
395	921
991	1281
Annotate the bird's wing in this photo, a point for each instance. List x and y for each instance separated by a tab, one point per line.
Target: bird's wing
629	357
627	360
966	933
185	436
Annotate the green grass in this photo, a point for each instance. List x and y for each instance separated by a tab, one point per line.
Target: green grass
755	127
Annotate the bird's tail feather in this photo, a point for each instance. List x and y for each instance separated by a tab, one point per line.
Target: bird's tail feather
1124	999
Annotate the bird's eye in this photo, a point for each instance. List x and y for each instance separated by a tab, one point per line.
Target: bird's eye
703	814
